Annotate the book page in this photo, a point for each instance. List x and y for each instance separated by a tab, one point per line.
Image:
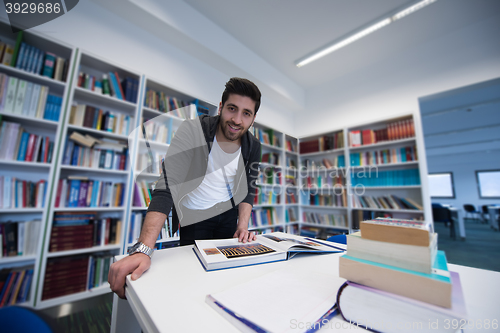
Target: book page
289	242
287	299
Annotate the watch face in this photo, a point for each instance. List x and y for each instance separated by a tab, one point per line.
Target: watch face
134	247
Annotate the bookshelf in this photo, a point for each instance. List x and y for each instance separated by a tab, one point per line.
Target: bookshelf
91	184
375	171
28	167
161	112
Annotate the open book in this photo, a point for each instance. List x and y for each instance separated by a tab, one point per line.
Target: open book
276	246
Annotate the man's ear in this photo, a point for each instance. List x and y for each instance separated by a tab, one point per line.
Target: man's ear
220	108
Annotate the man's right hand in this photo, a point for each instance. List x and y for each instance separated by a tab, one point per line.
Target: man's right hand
136	264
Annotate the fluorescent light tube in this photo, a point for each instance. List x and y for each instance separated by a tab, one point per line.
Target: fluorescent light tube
411	9
346	41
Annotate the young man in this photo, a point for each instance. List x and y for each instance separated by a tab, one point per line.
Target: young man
208	179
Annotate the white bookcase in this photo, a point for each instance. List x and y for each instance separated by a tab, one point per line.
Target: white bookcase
32	171
100	174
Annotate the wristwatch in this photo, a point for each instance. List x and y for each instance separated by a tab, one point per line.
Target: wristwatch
140	247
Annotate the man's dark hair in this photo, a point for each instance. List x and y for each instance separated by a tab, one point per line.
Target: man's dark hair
243	87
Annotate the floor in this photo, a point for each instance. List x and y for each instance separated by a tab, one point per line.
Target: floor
479	250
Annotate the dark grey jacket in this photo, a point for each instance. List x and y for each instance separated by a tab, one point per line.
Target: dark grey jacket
185	166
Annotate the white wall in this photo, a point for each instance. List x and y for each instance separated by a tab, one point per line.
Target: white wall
392	87
94	29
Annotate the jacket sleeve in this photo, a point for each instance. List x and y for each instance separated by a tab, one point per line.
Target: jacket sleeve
175	169
252	171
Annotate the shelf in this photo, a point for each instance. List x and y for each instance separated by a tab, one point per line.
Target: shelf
268	146
411	211
147	175
267	205
388	165
309	224
93	170
402	187
139	208
268	185
104	289
20	210
97	132
31	121
86	209
155	144
383	143
324	152
165	240
293	204
291	152
308	171
323	207
265	165
85	250
151	113
24	164
103	101
16	259
54	85
271	226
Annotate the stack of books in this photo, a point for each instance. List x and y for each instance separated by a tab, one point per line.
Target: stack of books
397	278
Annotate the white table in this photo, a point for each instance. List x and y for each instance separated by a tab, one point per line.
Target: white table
170	296
459	219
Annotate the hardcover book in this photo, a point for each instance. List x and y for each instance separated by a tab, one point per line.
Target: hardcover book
276	246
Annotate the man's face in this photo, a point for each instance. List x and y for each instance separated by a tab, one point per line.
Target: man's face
236	117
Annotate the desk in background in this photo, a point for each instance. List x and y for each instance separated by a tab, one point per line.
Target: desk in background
170	296
494	212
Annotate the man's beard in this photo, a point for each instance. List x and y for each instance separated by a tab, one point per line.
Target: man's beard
230	135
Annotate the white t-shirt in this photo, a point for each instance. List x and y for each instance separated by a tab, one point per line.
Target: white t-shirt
213	189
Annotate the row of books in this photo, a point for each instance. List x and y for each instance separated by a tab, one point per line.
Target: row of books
323	143
326	200
135	226
269	176
96	157
397	130
160	101
111	85
266	136
150	163
72	274
78	230
312	165
290	180
291	163
409	278
271	158
337	220
19	238
92	117
18	145
291	146
384	202
263	217
142	194
264	197
157	130
83	192
324	181
359	216
290	198
290	215
28	99
409	177
17	193
384	156
33	60
15	285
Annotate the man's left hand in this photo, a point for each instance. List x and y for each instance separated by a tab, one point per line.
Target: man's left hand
244	235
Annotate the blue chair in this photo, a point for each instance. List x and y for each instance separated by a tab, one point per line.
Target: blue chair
22	320
341	239
470	209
